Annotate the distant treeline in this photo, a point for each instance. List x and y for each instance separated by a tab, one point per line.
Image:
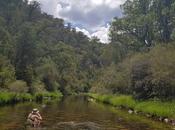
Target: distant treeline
39	53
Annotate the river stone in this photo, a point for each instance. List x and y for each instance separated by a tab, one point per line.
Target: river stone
166	120
130	111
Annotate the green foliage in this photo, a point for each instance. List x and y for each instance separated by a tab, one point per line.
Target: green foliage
39	86
48	73
163	71
26	54
152	74
43	50
6	45
47	95
141	77
144	75
119	100
7	98
18	87
49	56
163	109
107	83
144	23
7	72
22	97
156	108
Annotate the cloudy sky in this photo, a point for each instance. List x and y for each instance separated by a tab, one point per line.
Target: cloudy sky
89	16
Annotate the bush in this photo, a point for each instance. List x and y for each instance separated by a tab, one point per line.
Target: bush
112	80
163	71
18	86
7	72
141	77
8	98
48	74
144	75
22	97
153	73
47	95
38	87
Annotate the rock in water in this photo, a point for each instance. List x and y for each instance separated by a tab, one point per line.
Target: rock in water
130	111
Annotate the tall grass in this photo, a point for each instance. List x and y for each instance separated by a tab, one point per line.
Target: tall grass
6	98
157	108
47	95
9	98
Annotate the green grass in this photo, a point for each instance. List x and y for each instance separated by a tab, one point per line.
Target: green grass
6	98
157	108
47	95
9	98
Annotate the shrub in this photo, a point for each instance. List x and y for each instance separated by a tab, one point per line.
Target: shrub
163	71
48	74
18	86
141	77
39	87
48	95
7	72
152	74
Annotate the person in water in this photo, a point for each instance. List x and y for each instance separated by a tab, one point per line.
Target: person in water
34	118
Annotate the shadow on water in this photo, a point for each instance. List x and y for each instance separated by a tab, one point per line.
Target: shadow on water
75	113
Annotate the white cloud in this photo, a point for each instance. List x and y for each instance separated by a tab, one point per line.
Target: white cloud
101	33
92	15
97	2
86	32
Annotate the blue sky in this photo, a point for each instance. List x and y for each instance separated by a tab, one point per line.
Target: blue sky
89	16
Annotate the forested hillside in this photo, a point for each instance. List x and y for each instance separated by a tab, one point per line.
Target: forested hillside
39	53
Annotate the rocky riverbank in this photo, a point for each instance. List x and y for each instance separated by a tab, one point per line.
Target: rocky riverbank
156	110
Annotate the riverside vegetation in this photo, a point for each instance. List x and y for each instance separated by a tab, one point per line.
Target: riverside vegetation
43	54
10	98
151	108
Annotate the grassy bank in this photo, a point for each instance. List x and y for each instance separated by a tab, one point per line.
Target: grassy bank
9	98
154	108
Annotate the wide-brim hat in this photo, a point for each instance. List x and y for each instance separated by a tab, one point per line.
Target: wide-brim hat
35	110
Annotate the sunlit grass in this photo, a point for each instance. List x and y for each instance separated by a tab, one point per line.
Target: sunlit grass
157	108
46	95
8	97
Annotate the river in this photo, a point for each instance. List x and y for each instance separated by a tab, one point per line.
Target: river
75	113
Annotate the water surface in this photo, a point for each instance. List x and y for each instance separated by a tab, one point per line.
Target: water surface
76	110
